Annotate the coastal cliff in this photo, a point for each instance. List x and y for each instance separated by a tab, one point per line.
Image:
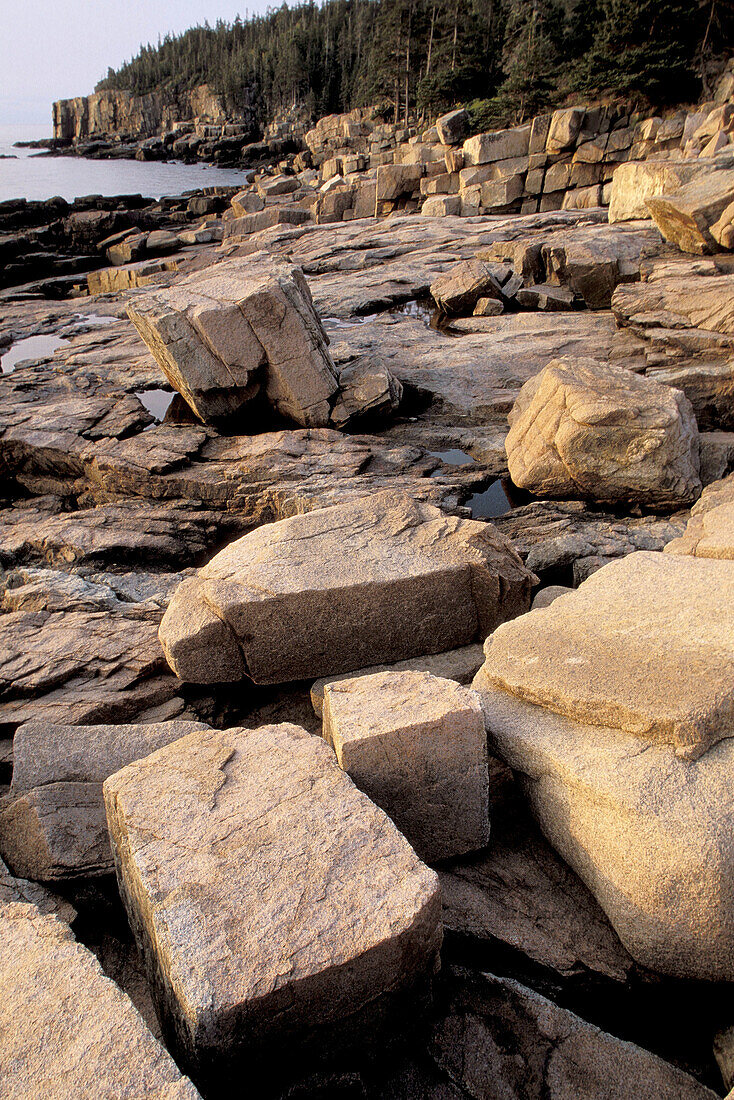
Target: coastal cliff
120	112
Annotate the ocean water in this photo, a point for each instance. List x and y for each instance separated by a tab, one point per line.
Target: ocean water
32	177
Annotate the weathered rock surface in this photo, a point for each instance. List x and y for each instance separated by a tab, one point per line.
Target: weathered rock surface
710	530
13	889
211	836
460	665
406	580
646	644
81	666
649	834
580	429
638	180
53	825
686	216
211	333
566	541
499	1038
66	1030
519	894
416	744
459	290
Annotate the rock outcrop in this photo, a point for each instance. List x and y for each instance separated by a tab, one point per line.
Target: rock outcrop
649	834
583	430
691	217
211	836
406	580
710	531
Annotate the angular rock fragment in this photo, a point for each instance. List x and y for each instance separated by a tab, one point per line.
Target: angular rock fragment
415	743
497	145
452	127
646	645
460	665
342	588
366	389
53	825
459	290
581	429
636	181
248	954
685	216
66	1030
221	333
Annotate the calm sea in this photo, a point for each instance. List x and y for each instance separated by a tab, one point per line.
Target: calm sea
34	177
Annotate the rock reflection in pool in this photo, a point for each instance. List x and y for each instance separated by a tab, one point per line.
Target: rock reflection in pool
453	457
491	502
33	347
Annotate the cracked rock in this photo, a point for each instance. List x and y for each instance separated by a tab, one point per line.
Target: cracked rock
343	588
247	954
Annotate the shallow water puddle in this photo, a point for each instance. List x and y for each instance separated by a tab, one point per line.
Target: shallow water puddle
33	347
491	502
156	402
453	457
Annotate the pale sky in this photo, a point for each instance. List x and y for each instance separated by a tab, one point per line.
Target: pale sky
56	49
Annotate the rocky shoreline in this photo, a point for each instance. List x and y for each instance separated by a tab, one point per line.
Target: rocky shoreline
365	592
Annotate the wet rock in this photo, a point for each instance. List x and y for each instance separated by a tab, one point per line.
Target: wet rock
409	579
260	805
625	650
416	745
94	1041
53	825
460	665
213	332
710	530
581	429
496	1030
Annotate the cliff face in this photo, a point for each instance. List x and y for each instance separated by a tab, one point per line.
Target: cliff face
112	112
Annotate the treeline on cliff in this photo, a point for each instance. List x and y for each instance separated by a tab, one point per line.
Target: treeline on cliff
510	58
